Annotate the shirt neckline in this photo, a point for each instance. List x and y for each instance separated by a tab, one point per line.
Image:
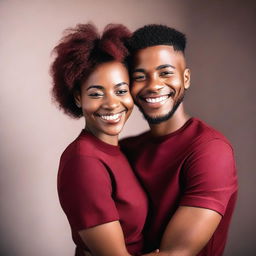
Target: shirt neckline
162	138
101	145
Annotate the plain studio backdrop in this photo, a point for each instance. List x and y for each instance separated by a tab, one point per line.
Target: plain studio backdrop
220	53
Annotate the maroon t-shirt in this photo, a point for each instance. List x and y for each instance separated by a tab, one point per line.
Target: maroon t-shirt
193	166
96	185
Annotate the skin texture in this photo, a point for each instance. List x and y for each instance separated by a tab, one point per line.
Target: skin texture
105	101
160	74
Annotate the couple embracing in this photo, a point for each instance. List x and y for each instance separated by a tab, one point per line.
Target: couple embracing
168	191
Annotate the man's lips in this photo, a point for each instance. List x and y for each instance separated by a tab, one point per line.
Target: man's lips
155	99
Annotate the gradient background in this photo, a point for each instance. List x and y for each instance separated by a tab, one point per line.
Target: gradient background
220	52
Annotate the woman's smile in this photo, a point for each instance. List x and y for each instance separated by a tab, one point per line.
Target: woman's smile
111	118
106	101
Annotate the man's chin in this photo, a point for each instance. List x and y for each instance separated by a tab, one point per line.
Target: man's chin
163	118
157	119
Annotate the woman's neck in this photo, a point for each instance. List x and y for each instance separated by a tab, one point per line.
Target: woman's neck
109	139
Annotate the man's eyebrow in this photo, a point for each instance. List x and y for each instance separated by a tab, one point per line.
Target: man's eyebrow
165	66
95	86
157	68
138	70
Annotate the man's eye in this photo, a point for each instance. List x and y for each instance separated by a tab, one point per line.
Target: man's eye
166	73
121	92
138	78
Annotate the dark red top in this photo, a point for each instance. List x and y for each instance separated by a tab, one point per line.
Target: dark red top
96	185
193	166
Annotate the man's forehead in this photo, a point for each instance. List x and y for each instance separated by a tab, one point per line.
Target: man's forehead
154	56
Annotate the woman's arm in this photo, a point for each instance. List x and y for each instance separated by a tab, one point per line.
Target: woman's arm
85	192
105	240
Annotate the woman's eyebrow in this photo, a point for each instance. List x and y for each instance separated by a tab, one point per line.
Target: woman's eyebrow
120	84
95	86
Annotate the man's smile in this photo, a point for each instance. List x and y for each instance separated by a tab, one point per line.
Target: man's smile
155	100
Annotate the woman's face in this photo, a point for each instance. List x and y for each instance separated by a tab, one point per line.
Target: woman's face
106	101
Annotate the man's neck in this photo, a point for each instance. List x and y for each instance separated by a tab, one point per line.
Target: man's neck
171	125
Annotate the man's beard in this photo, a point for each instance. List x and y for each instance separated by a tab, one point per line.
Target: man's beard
160	119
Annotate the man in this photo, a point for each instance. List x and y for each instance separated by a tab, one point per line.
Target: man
186	167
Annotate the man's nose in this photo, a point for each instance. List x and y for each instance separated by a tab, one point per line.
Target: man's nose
154	83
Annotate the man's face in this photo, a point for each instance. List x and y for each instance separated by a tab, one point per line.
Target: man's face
159	80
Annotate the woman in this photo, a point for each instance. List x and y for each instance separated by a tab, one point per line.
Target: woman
103	201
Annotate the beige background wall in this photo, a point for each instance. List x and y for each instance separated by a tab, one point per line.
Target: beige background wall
221	53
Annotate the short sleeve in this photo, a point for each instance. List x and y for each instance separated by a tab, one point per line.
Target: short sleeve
85	193
210	176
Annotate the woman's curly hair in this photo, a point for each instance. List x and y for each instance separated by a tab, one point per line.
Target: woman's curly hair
78	53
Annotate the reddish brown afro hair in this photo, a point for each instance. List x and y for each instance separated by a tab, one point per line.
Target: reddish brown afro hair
78	53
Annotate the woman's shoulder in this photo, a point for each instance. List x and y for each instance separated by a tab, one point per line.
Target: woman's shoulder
81	146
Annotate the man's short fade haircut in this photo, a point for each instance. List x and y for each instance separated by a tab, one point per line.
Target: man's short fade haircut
154	34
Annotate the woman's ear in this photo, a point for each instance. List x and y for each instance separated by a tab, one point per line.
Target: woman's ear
77	97
186	75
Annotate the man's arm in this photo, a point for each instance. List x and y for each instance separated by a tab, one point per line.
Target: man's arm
188	231
208	184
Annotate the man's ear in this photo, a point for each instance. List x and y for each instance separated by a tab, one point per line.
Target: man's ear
186	76
77	97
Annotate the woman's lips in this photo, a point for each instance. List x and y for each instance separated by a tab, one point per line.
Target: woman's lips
111	117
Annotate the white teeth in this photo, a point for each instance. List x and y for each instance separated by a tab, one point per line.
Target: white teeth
155	100
111	117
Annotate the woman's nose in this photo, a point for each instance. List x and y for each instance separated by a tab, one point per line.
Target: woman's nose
111	102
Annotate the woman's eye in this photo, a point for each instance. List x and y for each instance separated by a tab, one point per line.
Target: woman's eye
121	92
95	95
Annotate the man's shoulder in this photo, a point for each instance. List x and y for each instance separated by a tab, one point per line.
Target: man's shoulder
205	133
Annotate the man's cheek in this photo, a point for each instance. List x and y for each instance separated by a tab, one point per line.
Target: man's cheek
134	90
